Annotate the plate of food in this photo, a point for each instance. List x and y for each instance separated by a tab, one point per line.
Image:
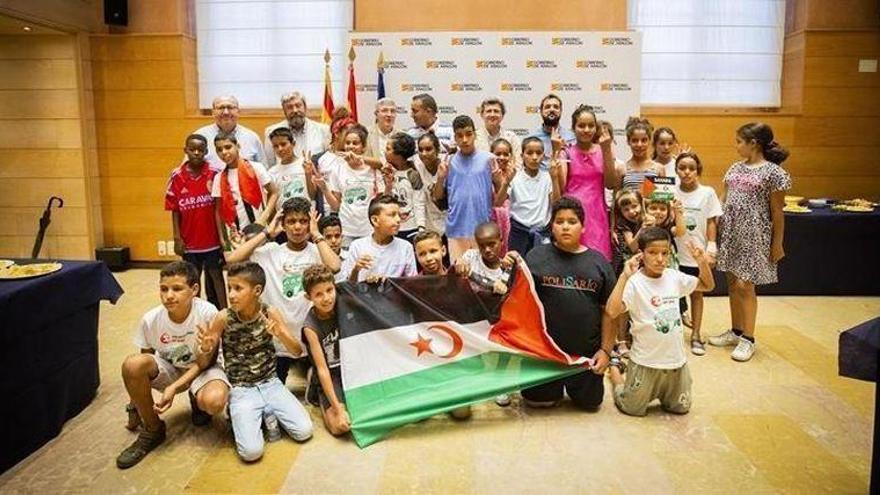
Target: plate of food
6	263
17	272
796	209
858	205
859	209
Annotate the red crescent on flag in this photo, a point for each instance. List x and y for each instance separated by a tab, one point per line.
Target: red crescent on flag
457	343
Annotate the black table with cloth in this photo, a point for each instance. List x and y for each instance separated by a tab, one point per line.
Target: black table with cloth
858	353
826	253
48	352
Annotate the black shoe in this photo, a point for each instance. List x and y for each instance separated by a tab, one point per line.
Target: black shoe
146	442
199	417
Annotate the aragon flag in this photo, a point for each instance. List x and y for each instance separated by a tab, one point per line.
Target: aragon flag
415	347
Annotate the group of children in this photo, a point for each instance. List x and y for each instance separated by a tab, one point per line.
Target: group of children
420	212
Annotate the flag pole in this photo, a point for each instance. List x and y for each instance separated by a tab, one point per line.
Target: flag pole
352	86
380	69
327	113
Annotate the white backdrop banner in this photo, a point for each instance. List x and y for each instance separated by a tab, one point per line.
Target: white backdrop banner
460	69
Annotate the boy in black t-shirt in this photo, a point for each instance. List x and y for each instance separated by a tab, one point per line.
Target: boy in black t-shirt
573	283
321	334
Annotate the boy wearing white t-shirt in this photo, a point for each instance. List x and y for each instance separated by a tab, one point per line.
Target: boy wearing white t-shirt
658	362
381	255
531	192
244	193
403	181
701	210
166	336
487	266
284	265
292	175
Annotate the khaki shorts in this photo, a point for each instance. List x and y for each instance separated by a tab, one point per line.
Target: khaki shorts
168	373
644	384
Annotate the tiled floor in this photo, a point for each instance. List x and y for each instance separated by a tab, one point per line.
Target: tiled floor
785	422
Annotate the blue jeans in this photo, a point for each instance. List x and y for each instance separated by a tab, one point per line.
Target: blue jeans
246	406
522	239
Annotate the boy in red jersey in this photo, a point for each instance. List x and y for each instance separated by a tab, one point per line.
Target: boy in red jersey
189	200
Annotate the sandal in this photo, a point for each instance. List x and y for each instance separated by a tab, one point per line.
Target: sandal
687	321
622	350
618	363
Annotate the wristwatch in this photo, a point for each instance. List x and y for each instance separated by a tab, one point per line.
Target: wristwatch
318	238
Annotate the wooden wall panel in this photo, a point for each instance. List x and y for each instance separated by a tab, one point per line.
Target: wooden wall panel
43	145
841	101
38	74
862	44
79	15
45	163
42	133
39	104
837	131
17	47
838	72
131	48
843	14
491	15
138	74
34	192
155	16
24	221
714	130
142	104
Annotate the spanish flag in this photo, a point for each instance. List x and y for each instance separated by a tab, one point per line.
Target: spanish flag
352	87
419	346
327	113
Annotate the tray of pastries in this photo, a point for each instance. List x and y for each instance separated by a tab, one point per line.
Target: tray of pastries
17	272
858	205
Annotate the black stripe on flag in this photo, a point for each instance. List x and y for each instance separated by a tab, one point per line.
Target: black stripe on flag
363	307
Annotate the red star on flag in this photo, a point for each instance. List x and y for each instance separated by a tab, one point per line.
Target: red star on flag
422	345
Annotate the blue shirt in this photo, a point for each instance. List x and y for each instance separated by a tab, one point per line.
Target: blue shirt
469	190
442	131
544	136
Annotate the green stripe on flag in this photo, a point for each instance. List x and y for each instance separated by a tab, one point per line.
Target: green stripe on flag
378	408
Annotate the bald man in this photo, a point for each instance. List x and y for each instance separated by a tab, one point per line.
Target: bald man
225	110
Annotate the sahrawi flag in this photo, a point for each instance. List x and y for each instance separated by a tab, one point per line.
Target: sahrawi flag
412	348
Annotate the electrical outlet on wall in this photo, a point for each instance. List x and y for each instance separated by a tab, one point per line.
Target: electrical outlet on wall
162	250
868	65
169	247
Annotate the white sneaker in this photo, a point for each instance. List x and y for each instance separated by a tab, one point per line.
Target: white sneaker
744	350
725	339
698	348
503	400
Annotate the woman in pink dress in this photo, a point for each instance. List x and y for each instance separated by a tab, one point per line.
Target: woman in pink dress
589	159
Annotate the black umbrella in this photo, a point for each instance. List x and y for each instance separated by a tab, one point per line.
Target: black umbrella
44	223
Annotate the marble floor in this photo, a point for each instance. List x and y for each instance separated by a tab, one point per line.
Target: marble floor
782	423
